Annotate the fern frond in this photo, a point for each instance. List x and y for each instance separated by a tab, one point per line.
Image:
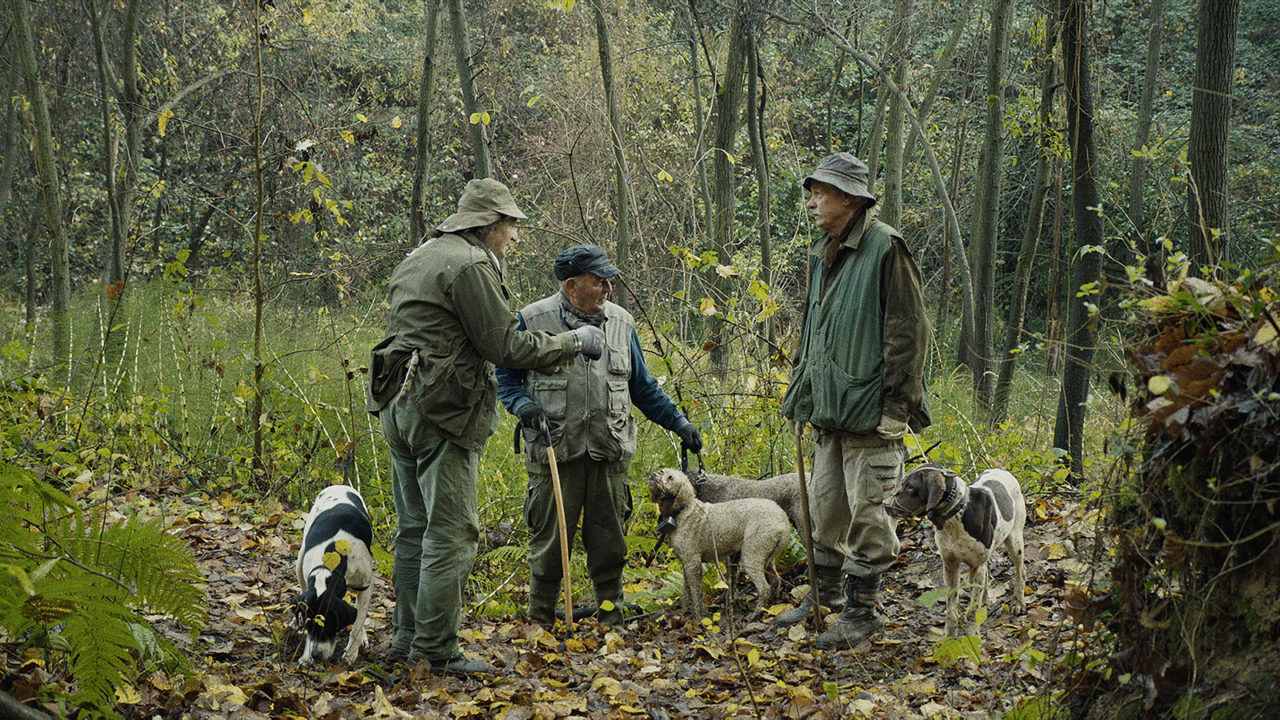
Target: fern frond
101	646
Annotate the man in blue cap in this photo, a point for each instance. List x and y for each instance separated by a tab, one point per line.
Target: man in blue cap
587	406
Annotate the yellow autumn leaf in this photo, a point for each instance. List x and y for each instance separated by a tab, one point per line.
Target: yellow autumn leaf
162	121
753	657
127	695
306	16
608	606
664	176
1265	335
726	271
332	560
396	122
474	119
707	307
343	547
1159	384
362	117
485	118
347	136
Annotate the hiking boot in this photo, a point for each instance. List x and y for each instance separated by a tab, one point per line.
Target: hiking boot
609	592
397	654
829	594
464	666
860	618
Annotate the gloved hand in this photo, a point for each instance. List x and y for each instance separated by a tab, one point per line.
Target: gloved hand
891	429
589	340
690	438
531	415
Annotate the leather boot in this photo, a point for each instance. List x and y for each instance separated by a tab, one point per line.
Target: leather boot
609	591
860	618
829	594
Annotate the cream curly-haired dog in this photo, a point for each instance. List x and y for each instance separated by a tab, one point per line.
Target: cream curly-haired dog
755	530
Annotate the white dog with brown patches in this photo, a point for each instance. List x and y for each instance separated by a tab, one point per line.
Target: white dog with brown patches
969	521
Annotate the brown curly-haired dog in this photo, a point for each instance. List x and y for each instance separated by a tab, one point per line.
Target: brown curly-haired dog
755	530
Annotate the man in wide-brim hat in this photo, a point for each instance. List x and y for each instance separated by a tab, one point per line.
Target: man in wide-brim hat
431	383
859	381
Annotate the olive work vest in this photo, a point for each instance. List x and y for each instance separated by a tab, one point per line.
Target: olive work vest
836	385
588	402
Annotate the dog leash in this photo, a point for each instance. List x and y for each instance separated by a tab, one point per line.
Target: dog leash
697	477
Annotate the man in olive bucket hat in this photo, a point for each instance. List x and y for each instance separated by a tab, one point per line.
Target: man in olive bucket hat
859	381
587	408
431	383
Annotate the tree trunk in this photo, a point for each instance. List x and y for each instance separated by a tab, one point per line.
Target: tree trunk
417	223
1060	266
1068	431
759	162
462	57
8	135
957	159
699	124
724	133
1138	172
875	139
259	295
1207	197
891	204
621	201
941	71
986	212
47	169
1031	233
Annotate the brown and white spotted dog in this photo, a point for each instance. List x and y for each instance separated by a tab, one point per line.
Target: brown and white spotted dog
968	521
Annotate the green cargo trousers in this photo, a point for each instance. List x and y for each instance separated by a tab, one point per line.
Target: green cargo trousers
847	491
437	533
598	493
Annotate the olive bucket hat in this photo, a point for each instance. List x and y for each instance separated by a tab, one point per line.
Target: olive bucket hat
483	202
844	172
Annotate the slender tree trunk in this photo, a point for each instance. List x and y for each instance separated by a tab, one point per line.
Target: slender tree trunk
8	133
621	202
1068	431
47	169
1138	171
986	214
417	223
875	139
891	205
259	297
29	268
1031	233
942	70
831	90
724	133
462	57
699	124
759	161
957	160
1207	198
1060	267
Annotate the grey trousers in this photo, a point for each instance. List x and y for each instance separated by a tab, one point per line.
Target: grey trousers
847	491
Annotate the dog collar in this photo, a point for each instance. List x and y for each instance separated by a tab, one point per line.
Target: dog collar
953	503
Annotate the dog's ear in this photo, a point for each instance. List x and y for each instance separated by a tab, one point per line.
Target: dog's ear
936	480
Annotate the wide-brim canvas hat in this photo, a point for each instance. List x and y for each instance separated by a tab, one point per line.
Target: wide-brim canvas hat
483	202
845	173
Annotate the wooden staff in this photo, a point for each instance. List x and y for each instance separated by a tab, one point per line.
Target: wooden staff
807	531
566	579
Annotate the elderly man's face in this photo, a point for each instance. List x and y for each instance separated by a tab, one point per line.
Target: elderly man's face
829	208
501	236
588	292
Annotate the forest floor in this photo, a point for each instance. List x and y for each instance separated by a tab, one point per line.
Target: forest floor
658	665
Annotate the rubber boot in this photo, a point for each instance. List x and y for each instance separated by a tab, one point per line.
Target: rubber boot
829	593
402	618
860	618
609	591
542	602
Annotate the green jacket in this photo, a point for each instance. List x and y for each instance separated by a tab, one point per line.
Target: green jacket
865	335
449	305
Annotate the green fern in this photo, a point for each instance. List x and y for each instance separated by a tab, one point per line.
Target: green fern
82	585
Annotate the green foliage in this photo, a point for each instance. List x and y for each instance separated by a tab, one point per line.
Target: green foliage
952	650
87	583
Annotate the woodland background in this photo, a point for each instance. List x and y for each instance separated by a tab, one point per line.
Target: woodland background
201	203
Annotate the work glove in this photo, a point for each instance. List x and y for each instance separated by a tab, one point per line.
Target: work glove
690	438
890	429
531	415
589	340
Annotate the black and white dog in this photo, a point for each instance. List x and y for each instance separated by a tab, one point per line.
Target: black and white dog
969	521
334	559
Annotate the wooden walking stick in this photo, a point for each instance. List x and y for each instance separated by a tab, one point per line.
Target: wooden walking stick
567	580
807	531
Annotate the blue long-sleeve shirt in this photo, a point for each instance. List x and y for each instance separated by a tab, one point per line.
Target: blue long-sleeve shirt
643	388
